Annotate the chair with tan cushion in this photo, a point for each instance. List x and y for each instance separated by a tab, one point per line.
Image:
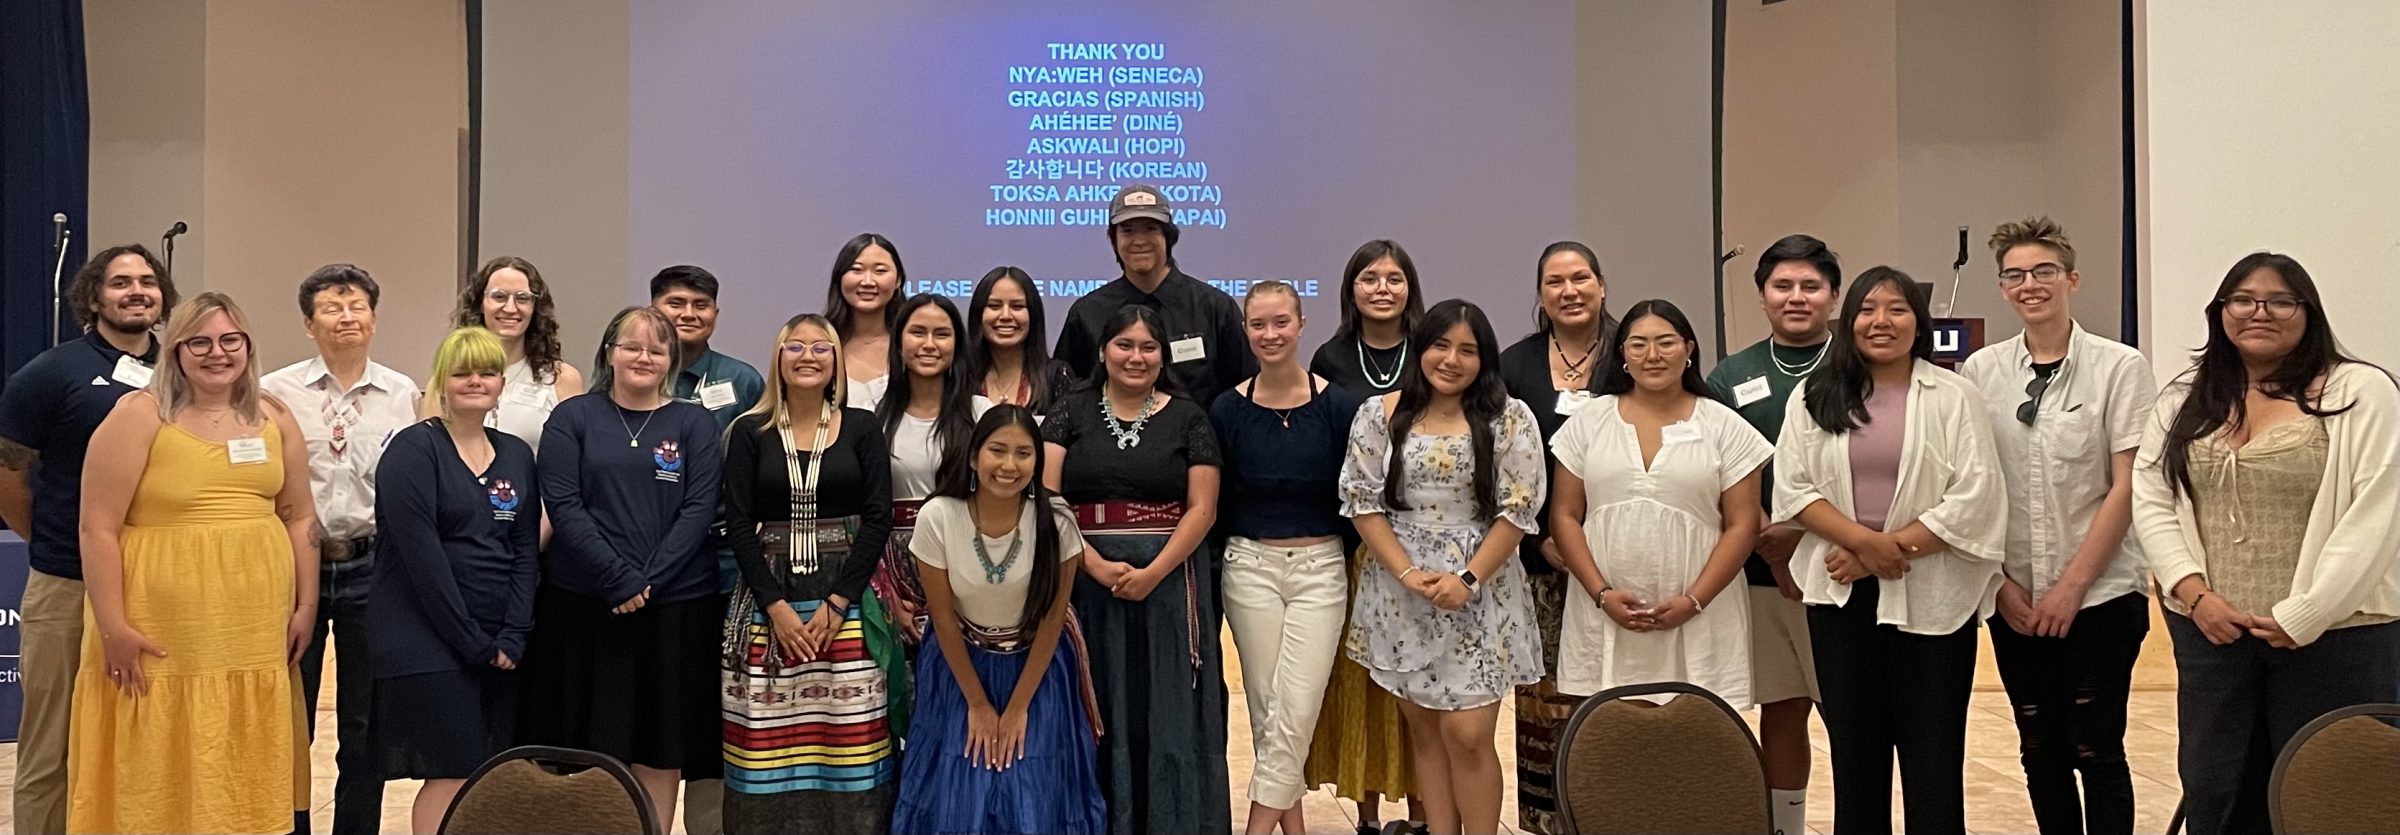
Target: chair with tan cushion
1685	767
2340	775
523	790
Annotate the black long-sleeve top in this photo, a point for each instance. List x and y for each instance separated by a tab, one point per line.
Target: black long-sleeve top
458	556
1525	368
854	480
1190	309
630	495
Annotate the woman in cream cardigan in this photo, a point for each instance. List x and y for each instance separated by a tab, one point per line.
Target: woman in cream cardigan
2267	496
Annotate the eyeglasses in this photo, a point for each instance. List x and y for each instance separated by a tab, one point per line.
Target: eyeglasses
2277	308
501	298
231	343
2033	394
2046	273
821	349
632	350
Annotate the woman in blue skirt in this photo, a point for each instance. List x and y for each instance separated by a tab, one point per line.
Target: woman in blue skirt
1005	734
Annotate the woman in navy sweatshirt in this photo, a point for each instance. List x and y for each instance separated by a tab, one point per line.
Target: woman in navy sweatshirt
624	660
453	601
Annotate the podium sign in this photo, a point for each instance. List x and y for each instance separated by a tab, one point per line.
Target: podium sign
13	556
1954	339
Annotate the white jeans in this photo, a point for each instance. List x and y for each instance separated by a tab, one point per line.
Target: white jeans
1286	606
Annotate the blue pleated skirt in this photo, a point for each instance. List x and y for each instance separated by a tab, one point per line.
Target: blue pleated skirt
1054	789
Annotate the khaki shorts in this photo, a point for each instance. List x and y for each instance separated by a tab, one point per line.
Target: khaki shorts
1782	665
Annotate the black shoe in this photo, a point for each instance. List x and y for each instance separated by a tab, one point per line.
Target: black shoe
1369	829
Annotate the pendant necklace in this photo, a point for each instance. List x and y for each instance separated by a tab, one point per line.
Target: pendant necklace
1376	378
633	437
1574	366
1127	438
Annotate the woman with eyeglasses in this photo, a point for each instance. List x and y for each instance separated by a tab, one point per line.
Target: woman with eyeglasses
1005	358
198	533
509	297
1140	463
2267	497
863	304
1442	478
814	686
2066	409
1886	461
626	618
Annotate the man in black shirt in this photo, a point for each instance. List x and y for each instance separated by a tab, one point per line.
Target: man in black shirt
1206	349
47	415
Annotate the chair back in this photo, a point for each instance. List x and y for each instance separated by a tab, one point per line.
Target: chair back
538	789
1687	766
2339	774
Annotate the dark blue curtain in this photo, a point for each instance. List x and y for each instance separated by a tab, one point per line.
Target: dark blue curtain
45	165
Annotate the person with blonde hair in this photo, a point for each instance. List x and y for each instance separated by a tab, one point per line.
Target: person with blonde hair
198	536
460	510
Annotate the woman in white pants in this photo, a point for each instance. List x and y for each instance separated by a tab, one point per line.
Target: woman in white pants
1283	433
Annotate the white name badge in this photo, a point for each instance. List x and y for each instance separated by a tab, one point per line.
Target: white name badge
1751	392
716	396
131	372
1570	401
1679	433
1187	349
246	450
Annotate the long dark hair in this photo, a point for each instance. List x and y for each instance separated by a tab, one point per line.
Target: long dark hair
1035	361
2220	382
837	308
1541	318
1368	253
1837	391
541	326
957	415
1615	379
959	482
1126	317
1484	401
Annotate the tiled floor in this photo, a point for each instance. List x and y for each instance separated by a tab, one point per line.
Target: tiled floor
1994	784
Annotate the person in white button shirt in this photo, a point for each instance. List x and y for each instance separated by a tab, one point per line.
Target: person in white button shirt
1887	461
346	405
508	296
2066	408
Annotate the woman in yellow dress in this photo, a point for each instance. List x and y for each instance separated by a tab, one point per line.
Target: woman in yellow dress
198	531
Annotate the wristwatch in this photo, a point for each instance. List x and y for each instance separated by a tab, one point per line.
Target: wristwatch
1467	576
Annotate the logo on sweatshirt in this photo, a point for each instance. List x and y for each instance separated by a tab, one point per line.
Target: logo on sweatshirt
504	500
669	457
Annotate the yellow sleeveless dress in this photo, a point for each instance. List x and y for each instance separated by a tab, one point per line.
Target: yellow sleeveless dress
218	743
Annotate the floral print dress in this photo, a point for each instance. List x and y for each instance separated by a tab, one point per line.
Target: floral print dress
1445	660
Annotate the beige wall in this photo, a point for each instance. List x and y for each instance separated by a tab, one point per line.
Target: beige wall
1642	78
289	136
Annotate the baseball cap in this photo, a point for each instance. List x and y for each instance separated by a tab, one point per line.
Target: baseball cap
1140	200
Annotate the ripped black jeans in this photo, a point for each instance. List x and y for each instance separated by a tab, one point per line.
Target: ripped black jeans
2069	697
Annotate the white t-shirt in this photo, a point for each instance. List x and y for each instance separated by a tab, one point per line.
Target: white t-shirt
916	464
943	528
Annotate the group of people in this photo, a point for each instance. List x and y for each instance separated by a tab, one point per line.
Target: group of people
924	575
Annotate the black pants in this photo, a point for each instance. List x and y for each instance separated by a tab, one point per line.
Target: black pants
2236	705
1885	689
2069	694
342	589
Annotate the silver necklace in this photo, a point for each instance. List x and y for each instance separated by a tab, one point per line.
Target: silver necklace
1127	438
633	437
1376	379
1790	370
994	573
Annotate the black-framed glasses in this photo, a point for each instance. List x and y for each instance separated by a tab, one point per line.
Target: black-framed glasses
2045	272
231	342
2033	394
2277	307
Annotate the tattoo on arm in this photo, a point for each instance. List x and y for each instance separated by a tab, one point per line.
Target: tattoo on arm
17	457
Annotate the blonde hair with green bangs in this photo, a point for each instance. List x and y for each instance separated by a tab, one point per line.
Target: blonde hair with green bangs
466	350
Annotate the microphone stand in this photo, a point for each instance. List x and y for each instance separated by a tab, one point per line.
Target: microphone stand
57	289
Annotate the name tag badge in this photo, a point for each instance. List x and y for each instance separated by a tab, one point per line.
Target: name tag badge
246	450
1679	433
1187	349
1756	389
131	372
1571	401
716	396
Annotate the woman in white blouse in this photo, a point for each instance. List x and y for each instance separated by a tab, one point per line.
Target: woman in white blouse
508	296
2267	496
925	425
1887	461
862	302
1670	479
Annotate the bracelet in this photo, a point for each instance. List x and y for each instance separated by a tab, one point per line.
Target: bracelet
1411	570
2195	604
1696	607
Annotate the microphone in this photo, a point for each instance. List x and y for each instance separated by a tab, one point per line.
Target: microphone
1730	254
167	242
58	229
180	227
1961	260
1948	307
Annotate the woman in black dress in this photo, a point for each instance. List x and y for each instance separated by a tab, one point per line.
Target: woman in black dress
1140	464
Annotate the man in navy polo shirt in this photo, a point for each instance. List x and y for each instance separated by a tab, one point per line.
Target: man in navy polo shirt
47	414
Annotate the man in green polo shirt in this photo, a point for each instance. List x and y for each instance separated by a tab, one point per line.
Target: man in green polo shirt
1799	284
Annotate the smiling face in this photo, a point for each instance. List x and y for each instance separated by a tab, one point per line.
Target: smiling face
130	298
640	359
2272	327
1273	322
1572	292
1655	354
1132	358
871	281
1452	361
1380	291
1141	245
1004	463
2035	281
508	303
215	356
1886	327
1799	302
693	312
806	359
928	341
471	392
340	318
1007	315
